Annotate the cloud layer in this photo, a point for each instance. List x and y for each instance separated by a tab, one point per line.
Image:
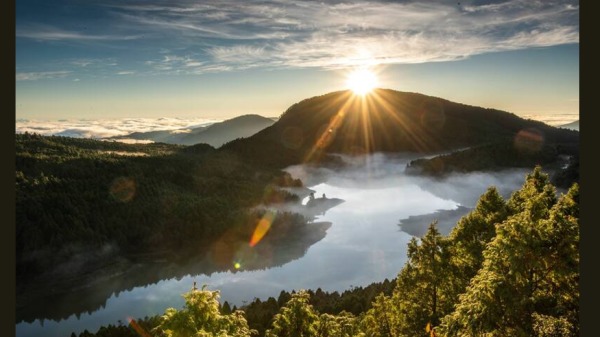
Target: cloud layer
223	35
86	128
103	128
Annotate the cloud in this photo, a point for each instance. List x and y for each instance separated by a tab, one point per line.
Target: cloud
338	35
380	172
223	35
34	76
126	72
555	119
83	128
49	33
93	62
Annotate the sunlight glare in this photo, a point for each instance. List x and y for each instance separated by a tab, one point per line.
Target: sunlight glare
361	81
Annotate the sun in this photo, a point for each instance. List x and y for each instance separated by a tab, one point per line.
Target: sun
361	81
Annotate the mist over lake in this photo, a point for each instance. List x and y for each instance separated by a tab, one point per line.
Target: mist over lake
364	243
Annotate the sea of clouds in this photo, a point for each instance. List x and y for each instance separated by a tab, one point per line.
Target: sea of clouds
553	119
105	128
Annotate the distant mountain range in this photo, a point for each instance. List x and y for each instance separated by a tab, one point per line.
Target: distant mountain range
215	134
393	121
572	126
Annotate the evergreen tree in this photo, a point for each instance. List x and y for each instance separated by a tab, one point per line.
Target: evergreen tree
226	308
528	284
470	236
536	195
296	319
201	317
421	294
342	325
381	319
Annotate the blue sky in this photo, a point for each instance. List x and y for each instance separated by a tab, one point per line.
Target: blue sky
219	58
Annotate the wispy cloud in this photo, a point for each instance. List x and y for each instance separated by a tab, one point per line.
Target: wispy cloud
221	35
332	35
126	72
34	76
49	33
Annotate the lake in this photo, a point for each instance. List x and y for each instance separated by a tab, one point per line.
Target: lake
364	243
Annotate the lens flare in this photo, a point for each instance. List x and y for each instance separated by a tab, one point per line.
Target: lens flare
123	189
529	140
138	328
262	228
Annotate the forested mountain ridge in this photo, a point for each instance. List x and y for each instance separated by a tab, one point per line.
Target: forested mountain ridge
389	121
561	159
82	203
508	268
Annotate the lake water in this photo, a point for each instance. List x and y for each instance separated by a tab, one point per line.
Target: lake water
364	243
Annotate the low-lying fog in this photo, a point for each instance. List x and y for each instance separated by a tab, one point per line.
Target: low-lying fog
364	244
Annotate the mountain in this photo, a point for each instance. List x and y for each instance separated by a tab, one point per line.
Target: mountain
216	134
390	121
572	126
220	133
160	136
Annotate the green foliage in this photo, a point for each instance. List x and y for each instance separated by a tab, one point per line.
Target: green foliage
422	294
342	325
472	233
201	317
353	301
549	326
530	269
296	319
382	319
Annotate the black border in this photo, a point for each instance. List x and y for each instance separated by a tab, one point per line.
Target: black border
8	250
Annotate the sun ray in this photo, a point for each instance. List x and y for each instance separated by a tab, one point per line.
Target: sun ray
413	135
328	133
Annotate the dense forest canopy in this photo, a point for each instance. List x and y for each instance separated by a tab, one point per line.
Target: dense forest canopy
81	202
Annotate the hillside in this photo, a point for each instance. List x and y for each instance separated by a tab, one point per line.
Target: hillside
386	121
572	126
215	134
83	205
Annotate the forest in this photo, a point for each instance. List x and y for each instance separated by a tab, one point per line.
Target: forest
508	268
80	202
506	154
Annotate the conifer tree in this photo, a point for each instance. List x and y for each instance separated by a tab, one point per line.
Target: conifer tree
421	294
296	318
200	317
528	285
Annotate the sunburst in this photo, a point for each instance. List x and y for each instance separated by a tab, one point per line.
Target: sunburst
361	81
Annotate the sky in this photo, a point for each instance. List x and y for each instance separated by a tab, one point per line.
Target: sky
216	59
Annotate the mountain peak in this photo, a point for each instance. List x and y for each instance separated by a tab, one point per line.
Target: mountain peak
387	121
